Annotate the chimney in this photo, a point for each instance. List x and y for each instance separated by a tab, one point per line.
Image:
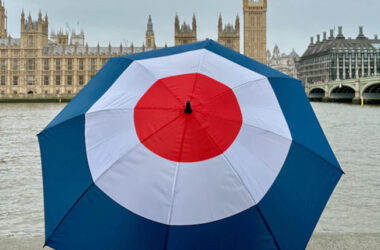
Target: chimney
318	38
324	36
361	34
340	33
331	34
376	37
311	40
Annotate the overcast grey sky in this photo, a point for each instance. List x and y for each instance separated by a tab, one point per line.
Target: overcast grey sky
290	23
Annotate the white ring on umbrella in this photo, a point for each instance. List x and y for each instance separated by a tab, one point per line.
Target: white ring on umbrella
186	193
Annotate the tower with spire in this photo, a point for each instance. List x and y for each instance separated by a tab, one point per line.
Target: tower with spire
150	41
34	34
3	21
184	33
229	35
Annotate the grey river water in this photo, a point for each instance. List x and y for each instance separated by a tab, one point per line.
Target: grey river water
354	208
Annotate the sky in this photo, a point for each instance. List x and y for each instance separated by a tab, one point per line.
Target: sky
290	23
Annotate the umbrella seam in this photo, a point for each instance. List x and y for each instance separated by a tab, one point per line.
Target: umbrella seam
136	145
245	187
245	83
234	88
289	139
174	186
157	79
197	73
68	212
94	181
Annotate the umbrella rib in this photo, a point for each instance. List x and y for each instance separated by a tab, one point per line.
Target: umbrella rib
93	183
68	212
138	144
277	134
234	88
166	87
196	76
245	187
176	173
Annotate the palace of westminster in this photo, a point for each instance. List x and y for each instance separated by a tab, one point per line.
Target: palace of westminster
62	63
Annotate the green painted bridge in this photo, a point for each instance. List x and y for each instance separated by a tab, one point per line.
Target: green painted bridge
355	90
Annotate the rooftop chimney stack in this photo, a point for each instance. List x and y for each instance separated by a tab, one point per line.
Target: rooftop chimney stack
376	37
331	34
324	36
361	34
318	38
340	33
311	40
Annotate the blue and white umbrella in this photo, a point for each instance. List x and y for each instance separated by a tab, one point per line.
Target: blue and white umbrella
190	147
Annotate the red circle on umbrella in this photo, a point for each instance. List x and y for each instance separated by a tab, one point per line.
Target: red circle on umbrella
188	118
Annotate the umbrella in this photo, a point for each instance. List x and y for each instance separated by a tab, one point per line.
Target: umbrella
189	147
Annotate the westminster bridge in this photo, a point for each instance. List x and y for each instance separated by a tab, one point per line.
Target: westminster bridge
365	89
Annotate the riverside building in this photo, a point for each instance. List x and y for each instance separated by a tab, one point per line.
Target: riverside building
336	58
36	65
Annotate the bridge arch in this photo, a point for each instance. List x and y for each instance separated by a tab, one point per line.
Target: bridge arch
316	93
342	92
371	91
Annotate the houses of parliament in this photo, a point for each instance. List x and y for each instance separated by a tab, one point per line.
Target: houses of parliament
61	63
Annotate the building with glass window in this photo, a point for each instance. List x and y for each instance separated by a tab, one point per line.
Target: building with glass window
35	64
338	58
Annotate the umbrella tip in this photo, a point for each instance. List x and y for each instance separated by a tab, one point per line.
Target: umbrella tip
188	109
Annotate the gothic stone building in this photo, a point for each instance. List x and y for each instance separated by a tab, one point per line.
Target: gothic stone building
185	34
229	35
283	62
254	31
63	63
36	65
336	57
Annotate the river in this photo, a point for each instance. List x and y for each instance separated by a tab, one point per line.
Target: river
353	133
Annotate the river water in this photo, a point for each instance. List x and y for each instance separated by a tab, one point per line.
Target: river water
353	133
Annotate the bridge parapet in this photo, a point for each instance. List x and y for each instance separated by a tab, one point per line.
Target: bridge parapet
367	88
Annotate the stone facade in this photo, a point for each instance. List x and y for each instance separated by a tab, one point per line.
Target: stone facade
283	62
229	35
61	63
36	65
184	33
255	29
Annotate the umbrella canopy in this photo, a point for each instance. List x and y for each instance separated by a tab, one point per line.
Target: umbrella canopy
190	147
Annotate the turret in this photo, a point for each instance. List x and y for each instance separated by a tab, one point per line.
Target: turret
22	17
39	16
176	23
237	23
3	21
220	24
194	24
